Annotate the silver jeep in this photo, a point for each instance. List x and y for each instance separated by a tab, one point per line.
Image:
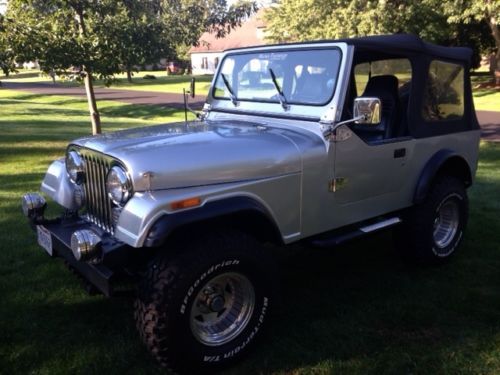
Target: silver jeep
319	142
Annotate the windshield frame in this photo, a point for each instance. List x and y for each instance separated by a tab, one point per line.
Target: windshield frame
269	49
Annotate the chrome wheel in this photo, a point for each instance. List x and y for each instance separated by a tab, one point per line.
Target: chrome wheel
446	225
222	309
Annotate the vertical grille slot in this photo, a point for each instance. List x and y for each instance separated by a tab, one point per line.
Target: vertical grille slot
98	205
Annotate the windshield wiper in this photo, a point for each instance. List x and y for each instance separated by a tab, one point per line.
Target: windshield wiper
281	96
233	97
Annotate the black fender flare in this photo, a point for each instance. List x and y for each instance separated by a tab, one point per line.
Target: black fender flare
168	223
442	159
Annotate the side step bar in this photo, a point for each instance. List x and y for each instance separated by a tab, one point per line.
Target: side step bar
339	237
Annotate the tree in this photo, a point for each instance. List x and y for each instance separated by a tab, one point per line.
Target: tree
188	19
7	60
136	35
99	38
326	19
447	22
487	11
61	35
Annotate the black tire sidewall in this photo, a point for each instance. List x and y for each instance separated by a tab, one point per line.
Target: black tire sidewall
180	338
449	250
414	239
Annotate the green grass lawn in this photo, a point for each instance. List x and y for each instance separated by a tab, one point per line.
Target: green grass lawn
162	83
26	75
353	310
487	100
484	99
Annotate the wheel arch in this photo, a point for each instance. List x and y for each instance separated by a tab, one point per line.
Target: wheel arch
442	162
242	213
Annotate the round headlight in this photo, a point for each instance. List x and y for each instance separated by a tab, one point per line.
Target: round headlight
118	185
75	167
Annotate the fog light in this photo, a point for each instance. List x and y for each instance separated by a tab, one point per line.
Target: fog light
33	205
85	244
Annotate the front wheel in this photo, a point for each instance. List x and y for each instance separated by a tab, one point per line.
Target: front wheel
204	307
431	232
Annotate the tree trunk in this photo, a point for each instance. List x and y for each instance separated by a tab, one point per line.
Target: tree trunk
94	113
89	87
129	75
495	31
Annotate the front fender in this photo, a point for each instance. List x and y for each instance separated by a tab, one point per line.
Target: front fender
138	223
166	224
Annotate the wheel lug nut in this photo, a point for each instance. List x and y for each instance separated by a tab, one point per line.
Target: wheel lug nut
217	303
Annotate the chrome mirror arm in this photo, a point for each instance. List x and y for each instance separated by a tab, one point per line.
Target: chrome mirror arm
332	127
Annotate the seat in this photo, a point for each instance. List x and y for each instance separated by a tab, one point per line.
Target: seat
311	88
385	88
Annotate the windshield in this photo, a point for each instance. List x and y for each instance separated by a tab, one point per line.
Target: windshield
300	76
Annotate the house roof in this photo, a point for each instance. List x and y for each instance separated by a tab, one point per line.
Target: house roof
247	35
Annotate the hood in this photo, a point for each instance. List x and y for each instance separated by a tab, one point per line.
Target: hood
199	153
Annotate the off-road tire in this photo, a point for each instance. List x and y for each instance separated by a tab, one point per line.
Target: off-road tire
173	283
418	239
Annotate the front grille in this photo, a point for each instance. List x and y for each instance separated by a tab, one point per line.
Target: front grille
98	209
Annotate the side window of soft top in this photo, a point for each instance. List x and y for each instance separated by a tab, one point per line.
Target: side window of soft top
400	68
444	92
390	81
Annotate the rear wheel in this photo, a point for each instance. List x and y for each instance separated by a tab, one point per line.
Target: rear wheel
203	308
432	231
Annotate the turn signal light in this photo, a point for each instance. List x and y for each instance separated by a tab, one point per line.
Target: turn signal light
185	203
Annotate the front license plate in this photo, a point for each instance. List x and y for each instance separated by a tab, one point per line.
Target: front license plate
44	239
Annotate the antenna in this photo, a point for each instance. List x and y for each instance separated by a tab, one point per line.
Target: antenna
190	92
184	95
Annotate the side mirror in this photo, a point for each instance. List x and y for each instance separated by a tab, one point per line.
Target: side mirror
192	87
368	109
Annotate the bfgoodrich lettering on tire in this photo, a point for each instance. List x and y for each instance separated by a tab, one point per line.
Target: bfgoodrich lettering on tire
204	307
431	232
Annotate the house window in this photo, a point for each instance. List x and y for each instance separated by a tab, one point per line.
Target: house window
204	63
444	92
216	62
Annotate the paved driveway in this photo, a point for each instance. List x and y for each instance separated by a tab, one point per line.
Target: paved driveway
489	120
127	96
490	125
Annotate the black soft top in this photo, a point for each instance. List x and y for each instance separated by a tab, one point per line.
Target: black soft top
420	54
393	44
409	43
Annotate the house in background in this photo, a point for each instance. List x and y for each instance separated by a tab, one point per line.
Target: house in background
3	6
206	56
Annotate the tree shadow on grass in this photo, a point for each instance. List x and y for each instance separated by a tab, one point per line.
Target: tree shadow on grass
356	308
139	81
42	99
51	111
94	334
139	111
360	305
